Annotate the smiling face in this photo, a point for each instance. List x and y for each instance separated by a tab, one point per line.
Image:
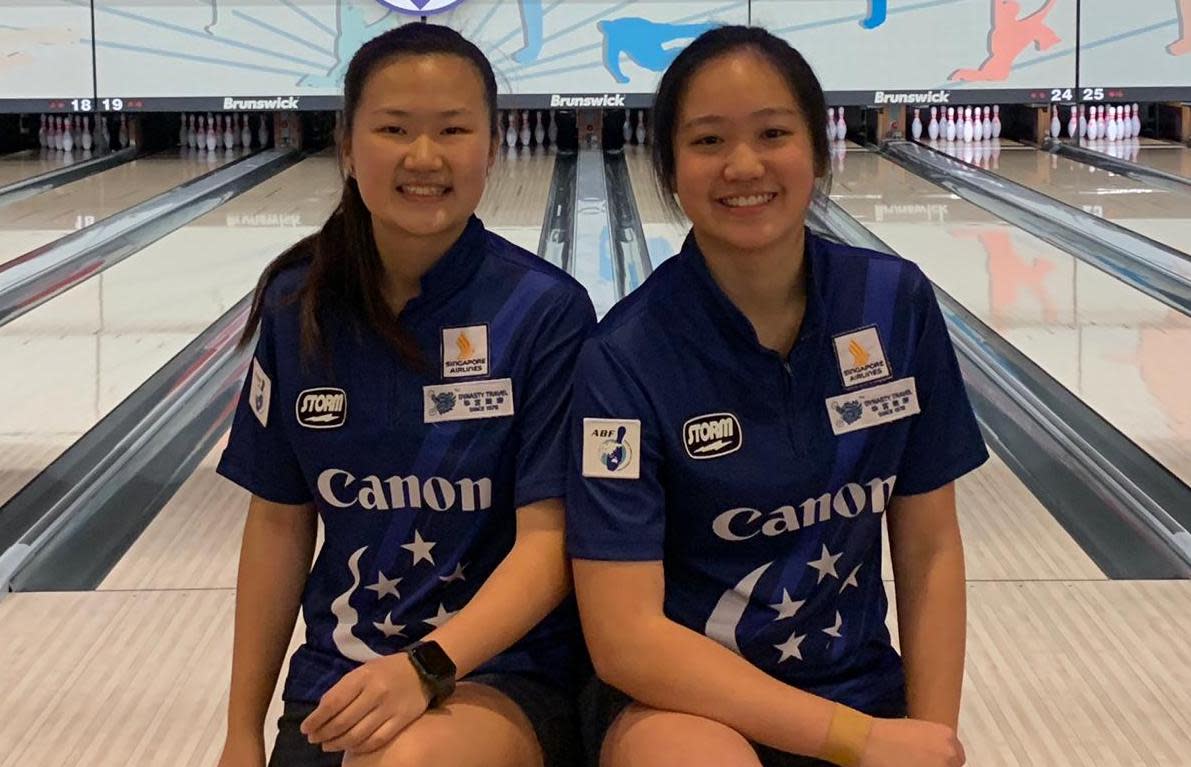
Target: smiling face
744	163
421	146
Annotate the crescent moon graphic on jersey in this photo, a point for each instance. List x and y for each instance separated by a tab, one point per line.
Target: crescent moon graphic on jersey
721	626
346	618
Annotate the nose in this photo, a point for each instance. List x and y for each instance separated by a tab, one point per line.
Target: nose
743	164
423	155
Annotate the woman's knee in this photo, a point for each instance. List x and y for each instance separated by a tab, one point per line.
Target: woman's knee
646	737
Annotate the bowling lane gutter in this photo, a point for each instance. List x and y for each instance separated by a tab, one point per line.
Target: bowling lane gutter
39	275
1139	173
630	255
1127	511
68	527
1157	270
43	182
556	243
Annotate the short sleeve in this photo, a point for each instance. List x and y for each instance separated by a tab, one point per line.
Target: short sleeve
259	456
545	398
616	505
945	441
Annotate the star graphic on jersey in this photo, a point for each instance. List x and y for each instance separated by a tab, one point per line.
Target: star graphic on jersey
851	579
443	616
787	608
833	631
455	576
825	564
791	648
385	586
390	629
420	548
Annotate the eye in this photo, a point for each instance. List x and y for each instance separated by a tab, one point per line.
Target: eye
772	133
706	141
395	129
456	130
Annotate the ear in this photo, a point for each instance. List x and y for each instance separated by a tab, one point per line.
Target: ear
346	163
493	149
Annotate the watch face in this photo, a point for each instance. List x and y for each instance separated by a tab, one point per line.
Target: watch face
435	661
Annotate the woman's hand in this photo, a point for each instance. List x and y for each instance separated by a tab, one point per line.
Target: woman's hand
368	707
912	743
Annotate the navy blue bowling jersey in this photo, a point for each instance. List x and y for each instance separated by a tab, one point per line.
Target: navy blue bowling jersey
760	481
416	471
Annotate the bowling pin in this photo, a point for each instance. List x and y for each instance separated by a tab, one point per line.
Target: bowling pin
56	136
88	142
229	136
182	132
262	132
951	129
1055	128
986	133
831	123
511	131
932	128
526	133
996	125
1073	123
41	132
1113	128
212	142
841	126
1093	125
1083	121
551	129
916	126
245	132
1136	121
539	132
969	130
627	128
641	134
68	137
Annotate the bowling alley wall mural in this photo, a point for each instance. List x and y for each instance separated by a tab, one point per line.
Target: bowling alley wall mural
543	49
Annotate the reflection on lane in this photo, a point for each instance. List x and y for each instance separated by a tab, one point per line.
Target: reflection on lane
1153	211
79	355
1120	351
43	218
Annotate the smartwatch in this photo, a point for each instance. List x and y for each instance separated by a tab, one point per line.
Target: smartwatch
435	668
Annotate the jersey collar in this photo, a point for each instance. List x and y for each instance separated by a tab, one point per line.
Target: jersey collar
451	272
722	312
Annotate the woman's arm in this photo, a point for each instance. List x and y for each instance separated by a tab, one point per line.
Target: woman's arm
531	581
275	556
928	569
664	665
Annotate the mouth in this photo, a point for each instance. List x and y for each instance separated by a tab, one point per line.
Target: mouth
424	192
747	202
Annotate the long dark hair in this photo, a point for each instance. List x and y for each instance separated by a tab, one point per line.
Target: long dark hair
799	76
346	272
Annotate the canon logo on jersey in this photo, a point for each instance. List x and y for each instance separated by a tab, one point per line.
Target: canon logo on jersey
849	501
342	490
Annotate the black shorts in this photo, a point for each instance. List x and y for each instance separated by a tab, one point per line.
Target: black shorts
550	710
600	704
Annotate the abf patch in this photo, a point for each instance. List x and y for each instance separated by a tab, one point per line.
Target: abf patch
260	393
873	406
465	351
861	357
611	448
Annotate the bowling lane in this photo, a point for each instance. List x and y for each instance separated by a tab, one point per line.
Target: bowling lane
28	163
1153	211
35	221
1159	155
1121	352
77	356
664	229
515	198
